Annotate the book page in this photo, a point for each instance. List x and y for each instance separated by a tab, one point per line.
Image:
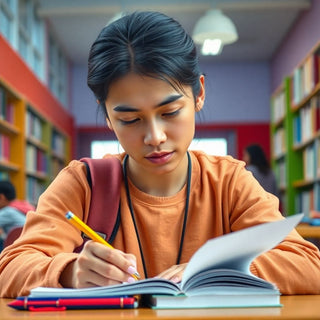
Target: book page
237	250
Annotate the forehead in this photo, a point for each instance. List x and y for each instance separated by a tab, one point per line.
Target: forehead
136	89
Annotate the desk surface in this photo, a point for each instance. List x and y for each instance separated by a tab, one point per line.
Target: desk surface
308	231
294	307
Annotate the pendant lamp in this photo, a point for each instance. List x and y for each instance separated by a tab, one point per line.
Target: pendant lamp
213	31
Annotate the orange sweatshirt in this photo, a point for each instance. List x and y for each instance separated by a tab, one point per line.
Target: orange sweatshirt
224	198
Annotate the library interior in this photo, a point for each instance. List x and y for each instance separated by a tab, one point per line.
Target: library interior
262	87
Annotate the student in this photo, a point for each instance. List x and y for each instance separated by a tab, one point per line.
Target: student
258	164
11	215
144	72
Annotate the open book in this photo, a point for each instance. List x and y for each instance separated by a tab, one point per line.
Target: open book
217	275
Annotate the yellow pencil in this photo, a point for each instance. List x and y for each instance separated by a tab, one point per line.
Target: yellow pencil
90	233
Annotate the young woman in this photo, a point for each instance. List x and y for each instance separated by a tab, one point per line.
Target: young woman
143	70
257	162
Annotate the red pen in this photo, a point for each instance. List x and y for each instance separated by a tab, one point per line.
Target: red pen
57	304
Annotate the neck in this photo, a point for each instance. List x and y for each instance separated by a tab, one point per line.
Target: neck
163	185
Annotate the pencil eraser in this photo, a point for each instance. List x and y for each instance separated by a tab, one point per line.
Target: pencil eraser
69	215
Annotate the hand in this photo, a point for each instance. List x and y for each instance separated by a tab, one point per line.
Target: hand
174	273
98	265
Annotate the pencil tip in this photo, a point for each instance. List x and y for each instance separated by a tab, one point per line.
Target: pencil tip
137	275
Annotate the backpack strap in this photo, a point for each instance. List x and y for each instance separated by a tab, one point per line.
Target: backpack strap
104	177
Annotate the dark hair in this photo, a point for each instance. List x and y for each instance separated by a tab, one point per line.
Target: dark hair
258	158
8	190
146	43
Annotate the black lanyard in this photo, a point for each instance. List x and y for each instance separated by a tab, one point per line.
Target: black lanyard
134	220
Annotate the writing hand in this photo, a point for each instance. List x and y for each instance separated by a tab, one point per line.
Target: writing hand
99	265
174	273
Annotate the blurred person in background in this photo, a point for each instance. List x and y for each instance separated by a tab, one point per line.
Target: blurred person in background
257	162
12	211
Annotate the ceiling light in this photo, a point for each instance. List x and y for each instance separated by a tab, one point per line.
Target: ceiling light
215	25
211	47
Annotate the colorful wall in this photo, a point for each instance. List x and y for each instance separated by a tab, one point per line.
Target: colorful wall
23	81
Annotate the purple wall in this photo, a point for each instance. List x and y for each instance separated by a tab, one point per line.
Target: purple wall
304	35
235	92
84	105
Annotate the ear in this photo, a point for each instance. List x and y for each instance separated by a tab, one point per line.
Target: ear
109	124
201	96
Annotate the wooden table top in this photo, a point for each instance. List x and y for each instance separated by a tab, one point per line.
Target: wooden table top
294	307
308	231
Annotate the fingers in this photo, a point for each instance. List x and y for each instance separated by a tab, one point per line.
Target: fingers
98	265
174	273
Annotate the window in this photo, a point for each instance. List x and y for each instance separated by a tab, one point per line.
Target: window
58	82
214	146
7	19
100	148
20	24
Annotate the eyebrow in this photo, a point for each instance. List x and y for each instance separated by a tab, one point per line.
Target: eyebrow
127	108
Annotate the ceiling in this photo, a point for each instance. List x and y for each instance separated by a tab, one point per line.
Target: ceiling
261	25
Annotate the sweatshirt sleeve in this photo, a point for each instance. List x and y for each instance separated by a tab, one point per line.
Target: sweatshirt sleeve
294	264
48	240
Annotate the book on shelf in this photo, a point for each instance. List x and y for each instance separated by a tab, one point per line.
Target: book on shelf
309	162
217	275
4	147
58	144
6	107
34	126
305	77
279	107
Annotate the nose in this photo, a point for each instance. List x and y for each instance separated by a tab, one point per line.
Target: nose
154	134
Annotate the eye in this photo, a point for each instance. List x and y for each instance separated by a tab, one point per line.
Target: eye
171	114
127	122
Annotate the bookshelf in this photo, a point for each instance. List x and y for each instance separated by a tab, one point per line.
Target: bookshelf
11	137
32	149
295	137
281	140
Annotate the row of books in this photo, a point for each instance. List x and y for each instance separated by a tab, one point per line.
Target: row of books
306	122
281	173
6	107
279	142
36	160
305	77
311	161
34	188
58	144
308	201
34	126
279	107
4	147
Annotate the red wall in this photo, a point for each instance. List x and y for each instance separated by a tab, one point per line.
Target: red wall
245	133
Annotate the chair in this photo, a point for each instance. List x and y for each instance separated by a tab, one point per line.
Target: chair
13	234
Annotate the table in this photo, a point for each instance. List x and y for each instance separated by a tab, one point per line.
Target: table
307	231
294	307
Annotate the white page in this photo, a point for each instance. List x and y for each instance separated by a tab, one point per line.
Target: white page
241	247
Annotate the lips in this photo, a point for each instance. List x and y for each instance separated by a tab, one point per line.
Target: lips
159	158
